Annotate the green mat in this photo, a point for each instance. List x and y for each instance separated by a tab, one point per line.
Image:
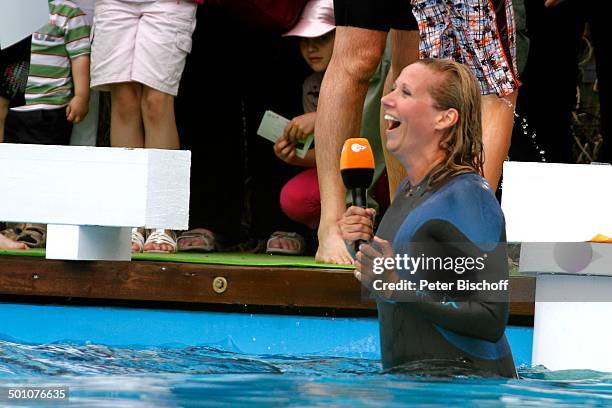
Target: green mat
216	258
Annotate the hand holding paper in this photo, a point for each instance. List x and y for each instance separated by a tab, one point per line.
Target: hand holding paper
300	127
273	126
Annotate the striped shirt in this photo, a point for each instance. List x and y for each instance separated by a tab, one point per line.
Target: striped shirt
64	38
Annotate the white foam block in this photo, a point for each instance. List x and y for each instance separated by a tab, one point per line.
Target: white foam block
20	19
88	243
550	202
97	186
572	334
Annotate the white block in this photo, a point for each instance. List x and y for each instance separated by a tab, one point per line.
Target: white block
550	202
572	335
20	19
88	243
112	187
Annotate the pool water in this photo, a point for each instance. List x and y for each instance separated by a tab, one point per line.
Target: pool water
176	376
130	357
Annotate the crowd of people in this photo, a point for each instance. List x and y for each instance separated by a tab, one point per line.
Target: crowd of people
174	82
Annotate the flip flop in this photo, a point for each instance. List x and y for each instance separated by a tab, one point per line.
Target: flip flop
289	236
206	237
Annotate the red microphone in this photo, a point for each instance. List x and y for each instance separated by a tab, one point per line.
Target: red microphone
357	169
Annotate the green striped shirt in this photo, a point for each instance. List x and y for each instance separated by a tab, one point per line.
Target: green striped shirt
64	38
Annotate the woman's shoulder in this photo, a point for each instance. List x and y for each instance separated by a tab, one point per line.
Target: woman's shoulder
467	186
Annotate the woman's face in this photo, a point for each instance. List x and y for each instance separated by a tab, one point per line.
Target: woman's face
318	51
412	118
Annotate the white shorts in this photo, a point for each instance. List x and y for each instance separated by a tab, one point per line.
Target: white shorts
145	42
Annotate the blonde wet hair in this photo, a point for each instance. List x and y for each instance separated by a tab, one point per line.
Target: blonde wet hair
457	88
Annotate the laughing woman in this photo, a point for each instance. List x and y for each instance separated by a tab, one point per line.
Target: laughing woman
445	212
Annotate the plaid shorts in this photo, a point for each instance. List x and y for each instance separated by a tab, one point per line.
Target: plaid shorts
477	33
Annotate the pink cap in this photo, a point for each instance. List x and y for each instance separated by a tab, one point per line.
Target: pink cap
316	19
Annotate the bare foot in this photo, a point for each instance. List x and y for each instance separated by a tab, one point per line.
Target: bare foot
6	243
332	248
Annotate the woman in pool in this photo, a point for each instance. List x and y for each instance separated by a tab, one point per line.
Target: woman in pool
443	211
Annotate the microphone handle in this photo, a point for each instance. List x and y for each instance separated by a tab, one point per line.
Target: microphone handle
359	196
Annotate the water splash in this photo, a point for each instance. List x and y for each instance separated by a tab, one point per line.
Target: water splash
527	132
531	135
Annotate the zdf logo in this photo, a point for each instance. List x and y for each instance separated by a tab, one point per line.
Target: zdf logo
356	147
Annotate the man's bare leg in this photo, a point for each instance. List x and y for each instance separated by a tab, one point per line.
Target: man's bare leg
497	123
356	55
405	50
4	106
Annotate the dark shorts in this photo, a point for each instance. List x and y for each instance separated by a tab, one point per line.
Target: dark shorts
380	15
43	126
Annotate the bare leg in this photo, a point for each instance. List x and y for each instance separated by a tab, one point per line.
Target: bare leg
357	52
158	117
497	123
160	133
126	116
4	105
405	50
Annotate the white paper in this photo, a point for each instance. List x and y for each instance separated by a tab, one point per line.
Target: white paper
272	126
20	18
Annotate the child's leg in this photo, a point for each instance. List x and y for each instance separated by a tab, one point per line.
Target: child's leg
300	198
126	116
160	133
4	106
158	118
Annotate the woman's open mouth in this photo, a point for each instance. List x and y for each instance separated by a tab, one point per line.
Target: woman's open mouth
393	122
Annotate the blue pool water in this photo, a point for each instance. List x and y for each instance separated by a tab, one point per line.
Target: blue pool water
142	358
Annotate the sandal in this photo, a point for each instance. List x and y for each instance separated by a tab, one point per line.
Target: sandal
138	239
207	240
33	235
158	237
287	236
12	233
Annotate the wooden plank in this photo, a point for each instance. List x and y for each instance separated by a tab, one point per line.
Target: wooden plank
193	283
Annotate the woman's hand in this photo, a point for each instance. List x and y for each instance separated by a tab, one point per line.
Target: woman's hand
300	127
371	265
357	224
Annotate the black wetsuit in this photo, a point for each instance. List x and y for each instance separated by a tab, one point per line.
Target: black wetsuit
438	330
